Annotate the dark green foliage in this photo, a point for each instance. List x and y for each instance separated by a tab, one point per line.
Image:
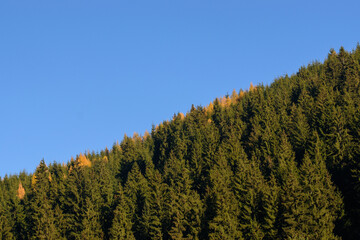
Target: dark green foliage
223	224
121	225
153	209
183	204
73	205
40	211
5	225
271	162
91	222
248	188
137	190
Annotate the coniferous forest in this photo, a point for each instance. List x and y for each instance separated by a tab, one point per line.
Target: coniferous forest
271	162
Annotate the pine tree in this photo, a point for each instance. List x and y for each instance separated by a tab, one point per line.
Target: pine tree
102	192
91	222
20	227
184	205
153	210
57	195
121	225
136	190
5	226
291	205
299	132
41	213
320	198
73	205
224	225
247	185
269	208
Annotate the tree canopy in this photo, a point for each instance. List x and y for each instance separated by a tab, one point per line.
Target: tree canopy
271	162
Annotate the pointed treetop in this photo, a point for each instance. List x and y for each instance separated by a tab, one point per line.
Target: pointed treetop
21	191
136	136
234	95
241	94
252	88
332	52
82	161
182	116
209	109
146	135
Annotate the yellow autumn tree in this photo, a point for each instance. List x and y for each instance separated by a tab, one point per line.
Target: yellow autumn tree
209	109
83	161
234	96
182	116
146	135
21	191
223	101
241	94
228	102
33	180
252	88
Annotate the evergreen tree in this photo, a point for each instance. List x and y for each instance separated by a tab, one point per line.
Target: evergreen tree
184	204
18	211
268	211
91	223
247	183
5	226
40	208
102	192
153	210
74	202
299	132
291	205
321	200
224	224
136	189
122	225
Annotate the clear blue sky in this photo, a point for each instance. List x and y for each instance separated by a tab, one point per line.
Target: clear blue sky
78	74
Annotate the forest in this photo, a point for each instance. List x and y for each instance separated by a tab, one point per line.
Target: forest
270	162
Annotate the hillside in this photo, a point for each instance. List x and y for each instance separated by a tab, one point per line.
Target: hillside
270	162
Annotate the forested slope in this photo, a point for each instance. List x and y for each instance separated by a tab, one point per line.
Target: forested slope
272	162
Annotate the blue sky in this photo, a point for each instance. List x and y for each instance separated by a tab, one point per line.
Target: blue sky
77	75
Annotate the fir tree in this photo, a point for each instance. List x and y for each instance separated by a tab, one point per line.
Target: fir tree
224	225
40	209
91	222
5	226
121	225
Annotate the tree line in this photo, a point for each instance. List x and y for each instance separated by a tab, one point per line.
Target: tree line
271	162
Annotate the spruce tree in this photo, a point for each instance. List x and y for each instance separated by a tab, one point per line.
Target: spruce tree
153	214
224	224
74	202
121	224
40	212
269	211
184	206
321	200
291	205
91	222
247	185
136	190
5	226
